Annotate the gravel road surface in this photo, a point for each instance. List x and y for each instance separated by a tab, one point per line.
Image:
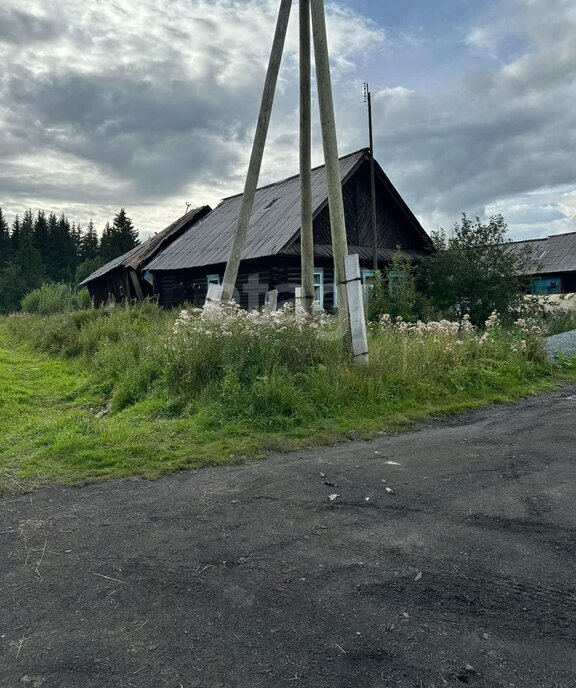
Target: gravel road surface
462	572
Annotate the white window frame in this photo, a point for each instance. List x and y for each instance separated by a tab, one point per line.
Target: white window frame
395	281
319	285
367	273
212	279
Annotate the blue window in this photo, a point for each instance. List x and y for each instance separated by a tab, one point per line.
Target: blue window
546	285
213	279
396	280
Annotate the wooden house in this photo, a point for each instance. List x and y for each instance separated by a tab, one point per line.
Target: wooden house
549	263
183	270
125	278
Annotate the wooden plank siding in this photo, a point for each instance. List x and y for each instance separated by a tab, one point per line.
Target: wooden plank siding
191	286
282	270
182	256
255	279
392	228
116	286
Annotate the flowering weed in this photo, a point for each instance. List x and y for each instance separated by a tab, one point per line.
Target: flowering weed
286	369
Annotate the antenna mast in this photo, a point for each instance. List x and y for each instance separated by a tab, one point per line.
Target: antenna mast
368	100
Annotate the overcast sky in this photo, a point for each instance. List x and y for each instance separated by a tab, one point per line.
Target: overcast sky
151	104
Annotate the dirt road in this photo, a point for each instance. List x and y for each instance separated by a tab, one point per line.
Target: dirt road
251	576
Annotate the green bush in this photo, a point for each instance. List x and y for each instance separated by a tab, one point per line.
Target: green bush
55	297
475	271
394	292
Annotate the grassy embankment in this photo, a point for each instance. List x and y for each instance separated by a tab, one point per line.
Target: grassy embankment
218	391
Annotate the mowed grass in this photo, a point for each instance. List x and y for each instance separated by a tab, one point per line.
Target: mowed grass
51	433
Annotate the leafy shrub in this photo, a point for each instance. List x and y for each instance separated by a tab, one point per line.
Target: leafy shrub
476	271
394	292
55	297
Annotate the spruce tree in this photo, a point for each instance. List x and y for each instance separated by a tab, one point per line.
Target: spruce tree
4	240
106	243
51	254
119	238
27	258
27	224
15	235
76	234
127	234
89	243
41	236
63	259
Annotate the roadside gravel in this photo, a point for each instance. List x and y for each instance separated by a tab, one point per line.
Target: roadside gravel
563	344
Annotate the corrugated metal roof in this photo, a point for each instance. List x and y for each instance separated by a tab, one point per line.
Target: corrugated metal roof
556	253
143	252
363	252
112	265
275	221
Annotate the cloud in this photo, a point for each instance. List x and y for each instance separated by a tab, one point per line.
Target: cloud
19	27
150	99
148	104
503	132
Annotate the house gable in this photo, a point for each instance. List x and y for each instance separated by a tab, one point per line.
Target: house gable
396	224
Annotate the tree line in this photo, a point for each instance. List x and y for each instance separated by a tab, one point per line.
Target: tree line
39	247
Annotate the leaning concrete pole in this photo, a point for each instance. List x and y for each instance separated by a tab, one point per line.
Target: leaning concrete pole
233	264
306	227
328	122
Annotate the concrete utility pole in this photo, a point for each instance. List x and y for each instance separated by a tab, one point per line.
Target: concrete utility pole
368	97
255	166
306	226
329	140
352	324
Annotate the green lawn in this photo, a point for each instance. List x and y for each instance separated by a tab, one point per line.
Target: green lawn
50	432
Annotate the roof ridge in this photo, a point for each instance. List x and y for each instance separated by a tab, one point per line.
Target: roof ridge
526	241
295	176
551	236
545	238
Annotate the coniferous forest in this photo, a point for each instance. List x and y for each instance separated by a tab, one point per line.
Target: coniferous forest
38	247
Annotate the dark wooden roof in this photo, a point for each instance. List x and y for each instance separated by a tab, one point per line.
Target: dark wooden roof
554	254
137	257
274	225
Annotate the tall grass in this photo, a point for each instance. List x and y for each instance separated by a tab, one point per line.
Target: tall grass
283	370
55	297
560	320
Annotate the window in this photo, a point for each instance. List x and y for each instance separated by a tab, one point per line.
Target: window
213	279
319	285
367	274
546	285
396	281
